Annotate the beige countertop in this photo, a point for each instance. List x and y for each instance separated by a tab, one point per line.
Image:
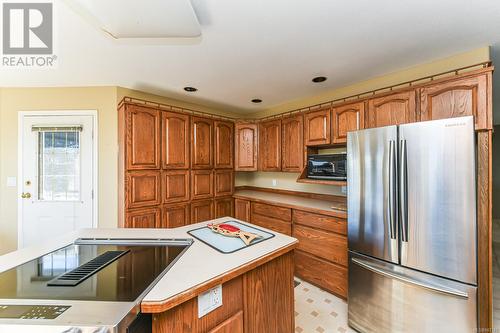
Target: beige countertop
200	266
333	208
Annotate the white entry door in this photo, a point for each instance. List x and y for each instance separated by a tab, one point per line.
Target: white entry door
57	176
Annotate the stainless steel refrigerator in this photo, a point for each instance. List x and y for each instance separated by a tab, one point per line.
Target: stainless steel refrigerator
412	227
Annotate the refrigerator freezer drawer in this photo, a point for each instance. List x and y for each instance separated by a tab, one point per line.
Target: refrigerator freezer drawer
389	298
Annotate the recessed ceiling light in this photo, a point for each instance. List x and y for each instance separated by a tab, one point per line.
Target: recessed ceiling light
319	79
256	100
190	89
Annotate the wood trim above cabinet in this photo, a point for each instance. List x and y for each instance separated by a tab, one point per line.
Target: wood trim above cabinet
246	147
346	118
224	144
175	140
317	127
292	141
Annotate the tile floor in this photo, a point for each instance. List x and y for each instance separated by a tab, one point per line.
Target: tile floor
317	311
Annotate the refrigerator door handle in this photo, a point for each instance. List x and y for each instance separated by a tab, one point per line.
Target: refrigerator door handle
392	189
403	185
407	279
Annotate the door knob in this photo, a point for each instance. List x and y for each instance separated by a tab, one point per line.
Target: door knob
26	195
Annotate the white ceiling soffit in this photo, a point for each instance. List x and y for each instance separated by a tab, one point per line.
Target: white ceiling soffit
145	19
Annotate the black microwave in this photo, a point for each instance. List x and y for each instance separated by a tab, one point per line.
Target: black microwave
331	166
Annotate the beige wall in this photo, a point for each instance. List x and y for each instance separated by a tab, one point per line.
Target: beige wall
13	100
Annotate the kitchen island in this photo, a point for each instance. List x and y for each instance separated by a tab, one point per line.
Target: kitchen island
257	283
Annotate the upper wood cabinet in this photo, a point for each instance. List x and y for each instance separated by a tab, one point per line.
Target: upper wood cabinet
175	186
175	140
201	143
457	98
317	127
142	188
394	109
246	147
143	218
224	143
292	140
270	145
143	138
174	216
346	118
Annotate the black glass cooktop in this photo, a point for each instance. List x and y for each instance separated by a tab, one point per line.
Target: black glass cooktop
107	272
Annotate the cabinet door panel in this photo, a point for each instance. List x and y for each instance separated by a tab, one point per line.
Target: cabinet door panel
175	140
317	127
233	324
224	182
143	138
202	184
175	186
347	118
242	209
270	145
326	245
224	142
224	207
395	109
246	147
202	211
201	143
142	188
457	98
293	144
143	218
174	216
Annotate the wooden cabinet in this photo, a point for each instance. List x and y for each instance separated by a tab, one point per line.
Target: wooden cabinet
242	209
143	138
224	207
176	215
233	324
270	145
201	143
246	147
282	213
202	211
319	221
323	244
142	189
175	186
272	217
224	182
317	127
224	143
175	140
346	118
143	218
202	184
457	98
292	139
394	109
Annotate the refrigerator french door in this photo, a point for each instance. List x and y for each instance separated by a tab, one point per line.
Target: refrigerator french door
412	227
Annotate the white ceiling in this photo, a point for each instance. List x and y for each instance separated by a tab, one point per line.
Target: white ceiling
269	49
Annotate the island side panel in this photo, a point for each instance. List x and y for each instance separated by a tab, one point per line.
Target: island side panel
269	297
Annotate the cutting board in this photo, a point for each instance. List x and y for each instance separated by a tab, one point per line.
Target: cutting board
227	244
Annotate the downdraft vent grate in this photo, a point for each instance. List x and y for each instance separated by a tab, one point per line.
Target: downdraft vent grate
83	272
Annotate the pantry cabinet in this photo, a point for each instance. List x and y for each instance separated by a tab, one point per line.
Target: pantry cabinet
202	143
202	210
175	215
175	140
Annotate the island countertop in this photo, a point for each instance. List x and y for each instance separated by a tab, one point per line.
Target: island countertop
199	269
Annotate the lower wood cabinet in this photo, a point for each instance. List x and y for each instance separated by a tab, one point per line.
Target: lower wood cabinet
143	218
272	223
242	209
224	207
175	215
233	324
272	217
202	210
322	273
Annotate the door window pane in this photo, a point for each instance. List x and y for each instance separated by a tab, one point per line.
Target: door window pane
59	166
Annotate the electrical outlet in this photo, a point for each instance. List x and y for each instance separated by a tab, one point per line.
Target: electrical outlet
275	182
209	300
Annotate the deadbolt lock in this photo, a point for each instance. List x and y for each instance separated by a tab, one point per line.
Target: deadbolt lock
26	195
28	183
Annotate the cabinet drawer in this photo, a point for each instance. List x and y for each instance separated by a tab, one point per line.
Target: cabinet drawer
323	244
324	222
275	212
322	273
271	223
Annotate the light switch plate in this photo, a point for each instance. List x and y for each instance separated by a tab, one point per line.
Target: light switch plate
209	300
344	189
11	182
